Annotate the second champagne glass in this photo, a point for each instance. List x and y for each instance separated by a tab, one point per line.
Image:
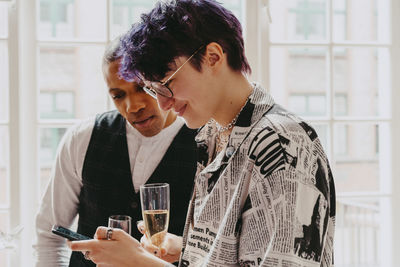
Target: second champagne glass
155	209
120	221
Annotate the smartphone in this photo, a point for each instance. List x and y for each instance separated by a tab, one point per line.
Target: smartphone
70	235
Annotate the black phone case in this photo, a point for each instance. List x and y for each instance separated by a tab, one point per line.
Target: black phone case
70	235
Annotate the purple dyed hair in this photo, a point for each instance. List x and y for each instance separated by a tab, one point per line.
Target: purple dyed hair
178	28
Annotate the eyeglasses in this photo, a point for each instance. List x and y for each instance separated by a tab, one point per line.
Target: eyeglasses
161	88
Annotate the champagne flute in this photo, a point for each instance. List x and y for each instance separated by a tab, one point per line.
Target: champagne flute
120	221
155	209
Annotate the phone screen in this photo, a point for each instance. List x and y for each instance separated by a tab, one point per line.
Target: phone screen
70	235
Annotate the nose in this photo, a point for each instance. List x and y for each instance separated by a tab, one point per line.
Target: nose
134	103
165	103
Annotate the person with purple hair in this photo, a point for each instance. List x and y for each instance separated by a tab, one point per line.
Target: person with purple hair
264	193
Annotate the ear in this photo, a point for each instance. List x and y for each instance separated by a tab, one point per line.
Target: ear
214	55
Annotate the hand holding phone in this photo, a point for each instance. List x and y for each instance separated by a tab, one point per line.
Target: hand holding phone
70	235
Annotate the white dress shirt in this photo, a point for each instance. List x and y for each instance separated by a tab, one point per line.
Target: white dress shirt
60	201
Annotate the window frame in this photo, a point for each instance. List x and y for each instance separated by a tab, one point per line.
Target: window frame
259	58
23	118
23	87
13	128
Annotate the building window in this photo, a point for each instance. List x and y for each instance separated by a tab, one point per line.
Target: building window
307	104
309	18
54	12
328	63
60	105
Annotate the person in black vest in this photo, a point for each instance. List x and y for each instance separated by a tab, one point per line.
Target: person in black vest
102	162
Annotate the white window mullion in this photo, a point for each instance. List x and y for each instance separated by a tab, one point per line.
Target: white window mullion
12	123
331	92
13	120
264	45
108	20
251	32
395	55
336	44
69	42
28	188
14	144
366	44
109	104
58	122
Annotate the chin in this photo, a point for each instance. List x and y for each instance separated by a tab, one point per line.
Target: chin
150	131
193	124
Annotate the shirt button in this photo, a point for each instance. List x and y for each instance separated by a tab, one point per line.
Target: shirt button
134	205
141	160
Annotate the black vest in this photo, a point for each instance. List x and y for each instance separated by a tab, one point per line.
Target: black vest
107	180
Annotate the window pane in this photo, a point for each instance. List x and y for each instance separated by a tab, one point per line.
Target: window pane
57	105
341	105
71	19
49	140
4	227
4	81
316	104
3	20
362	157
71	82
362	232
298	20
298	104
4	159
362	79
361	20
298	79
126	12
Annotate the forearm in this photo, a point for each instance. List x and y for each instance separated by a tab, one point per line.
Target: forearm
52	256
50	250
148	259
58	206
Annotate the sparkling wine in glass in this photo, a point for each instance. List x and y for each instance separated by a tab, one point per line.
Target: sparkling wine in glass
155	208
120	221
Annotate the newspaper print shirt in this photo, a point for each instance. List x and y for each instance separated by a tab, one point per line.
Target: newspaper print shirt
268	199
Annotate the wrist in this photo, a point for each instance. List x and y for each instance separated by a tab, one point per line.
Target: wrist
148	259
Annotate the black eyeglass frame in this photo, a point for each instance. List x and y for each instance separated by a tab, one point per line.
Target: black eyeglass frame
161	88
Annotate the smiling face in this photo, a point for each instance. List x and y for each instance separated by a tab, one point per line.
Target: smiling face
192	99
196	94
137	107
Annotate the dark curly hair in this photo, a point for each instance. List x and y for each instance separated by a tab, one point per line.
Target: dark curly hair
178	28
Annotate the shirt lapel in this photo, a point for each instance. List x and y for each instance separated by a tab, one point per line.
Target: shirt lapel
258	104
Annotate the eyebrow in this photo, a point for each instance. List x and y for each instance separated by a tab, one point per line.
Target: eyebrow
114	90
136	88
